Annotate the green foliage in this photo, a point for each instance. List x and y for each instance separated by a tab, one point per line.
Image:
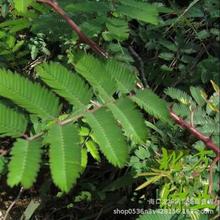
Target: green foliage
25	162
139	10
173	172
92	148
200	110
62	81
80	112
31	96
21	5
12	123
2	164
15	25
111	27
196	93
124	77
208	69
182	176
10	47
124	110
108	136
117	29
103	83
38	45
65	155
153	104
178	95
182	59
66	158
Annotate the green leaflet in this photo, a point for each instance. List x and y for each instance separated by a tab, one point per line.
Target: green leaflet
88	7
84	159
25	162
196	93
13	23
66	84
94	72
109	136
181	109
64	154
2	164
31	96
179	95
152	104
124	110
12	123
117	29
92	148
139	10
16	25
151	180
125	78
21	5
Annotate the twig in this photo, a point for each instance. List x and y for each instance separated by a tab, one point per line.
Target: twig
100	213
204	46
183	14
216	217
211	173
3	152
13	203
66	121
197	58
76	117
206	140
33	137
192	117
53	4
141	68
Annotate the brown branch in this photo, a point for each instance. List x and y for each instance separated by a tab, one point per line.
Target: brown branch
13	203
206	140
214	162
141	66
95	47
3	152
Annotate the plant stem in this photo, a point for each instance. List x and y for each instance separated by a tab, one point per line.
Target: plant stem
206	140
13	203
211	173
53	4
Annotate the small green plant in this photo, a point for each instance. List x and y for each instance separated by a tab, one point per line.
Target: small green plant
106	118
184	176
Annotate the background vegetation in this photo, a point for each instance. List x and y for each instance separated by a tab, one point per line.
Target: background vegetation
113	122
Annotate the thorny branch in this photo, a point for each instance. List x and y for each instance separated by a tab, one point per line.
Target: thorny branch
95	47
206	140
